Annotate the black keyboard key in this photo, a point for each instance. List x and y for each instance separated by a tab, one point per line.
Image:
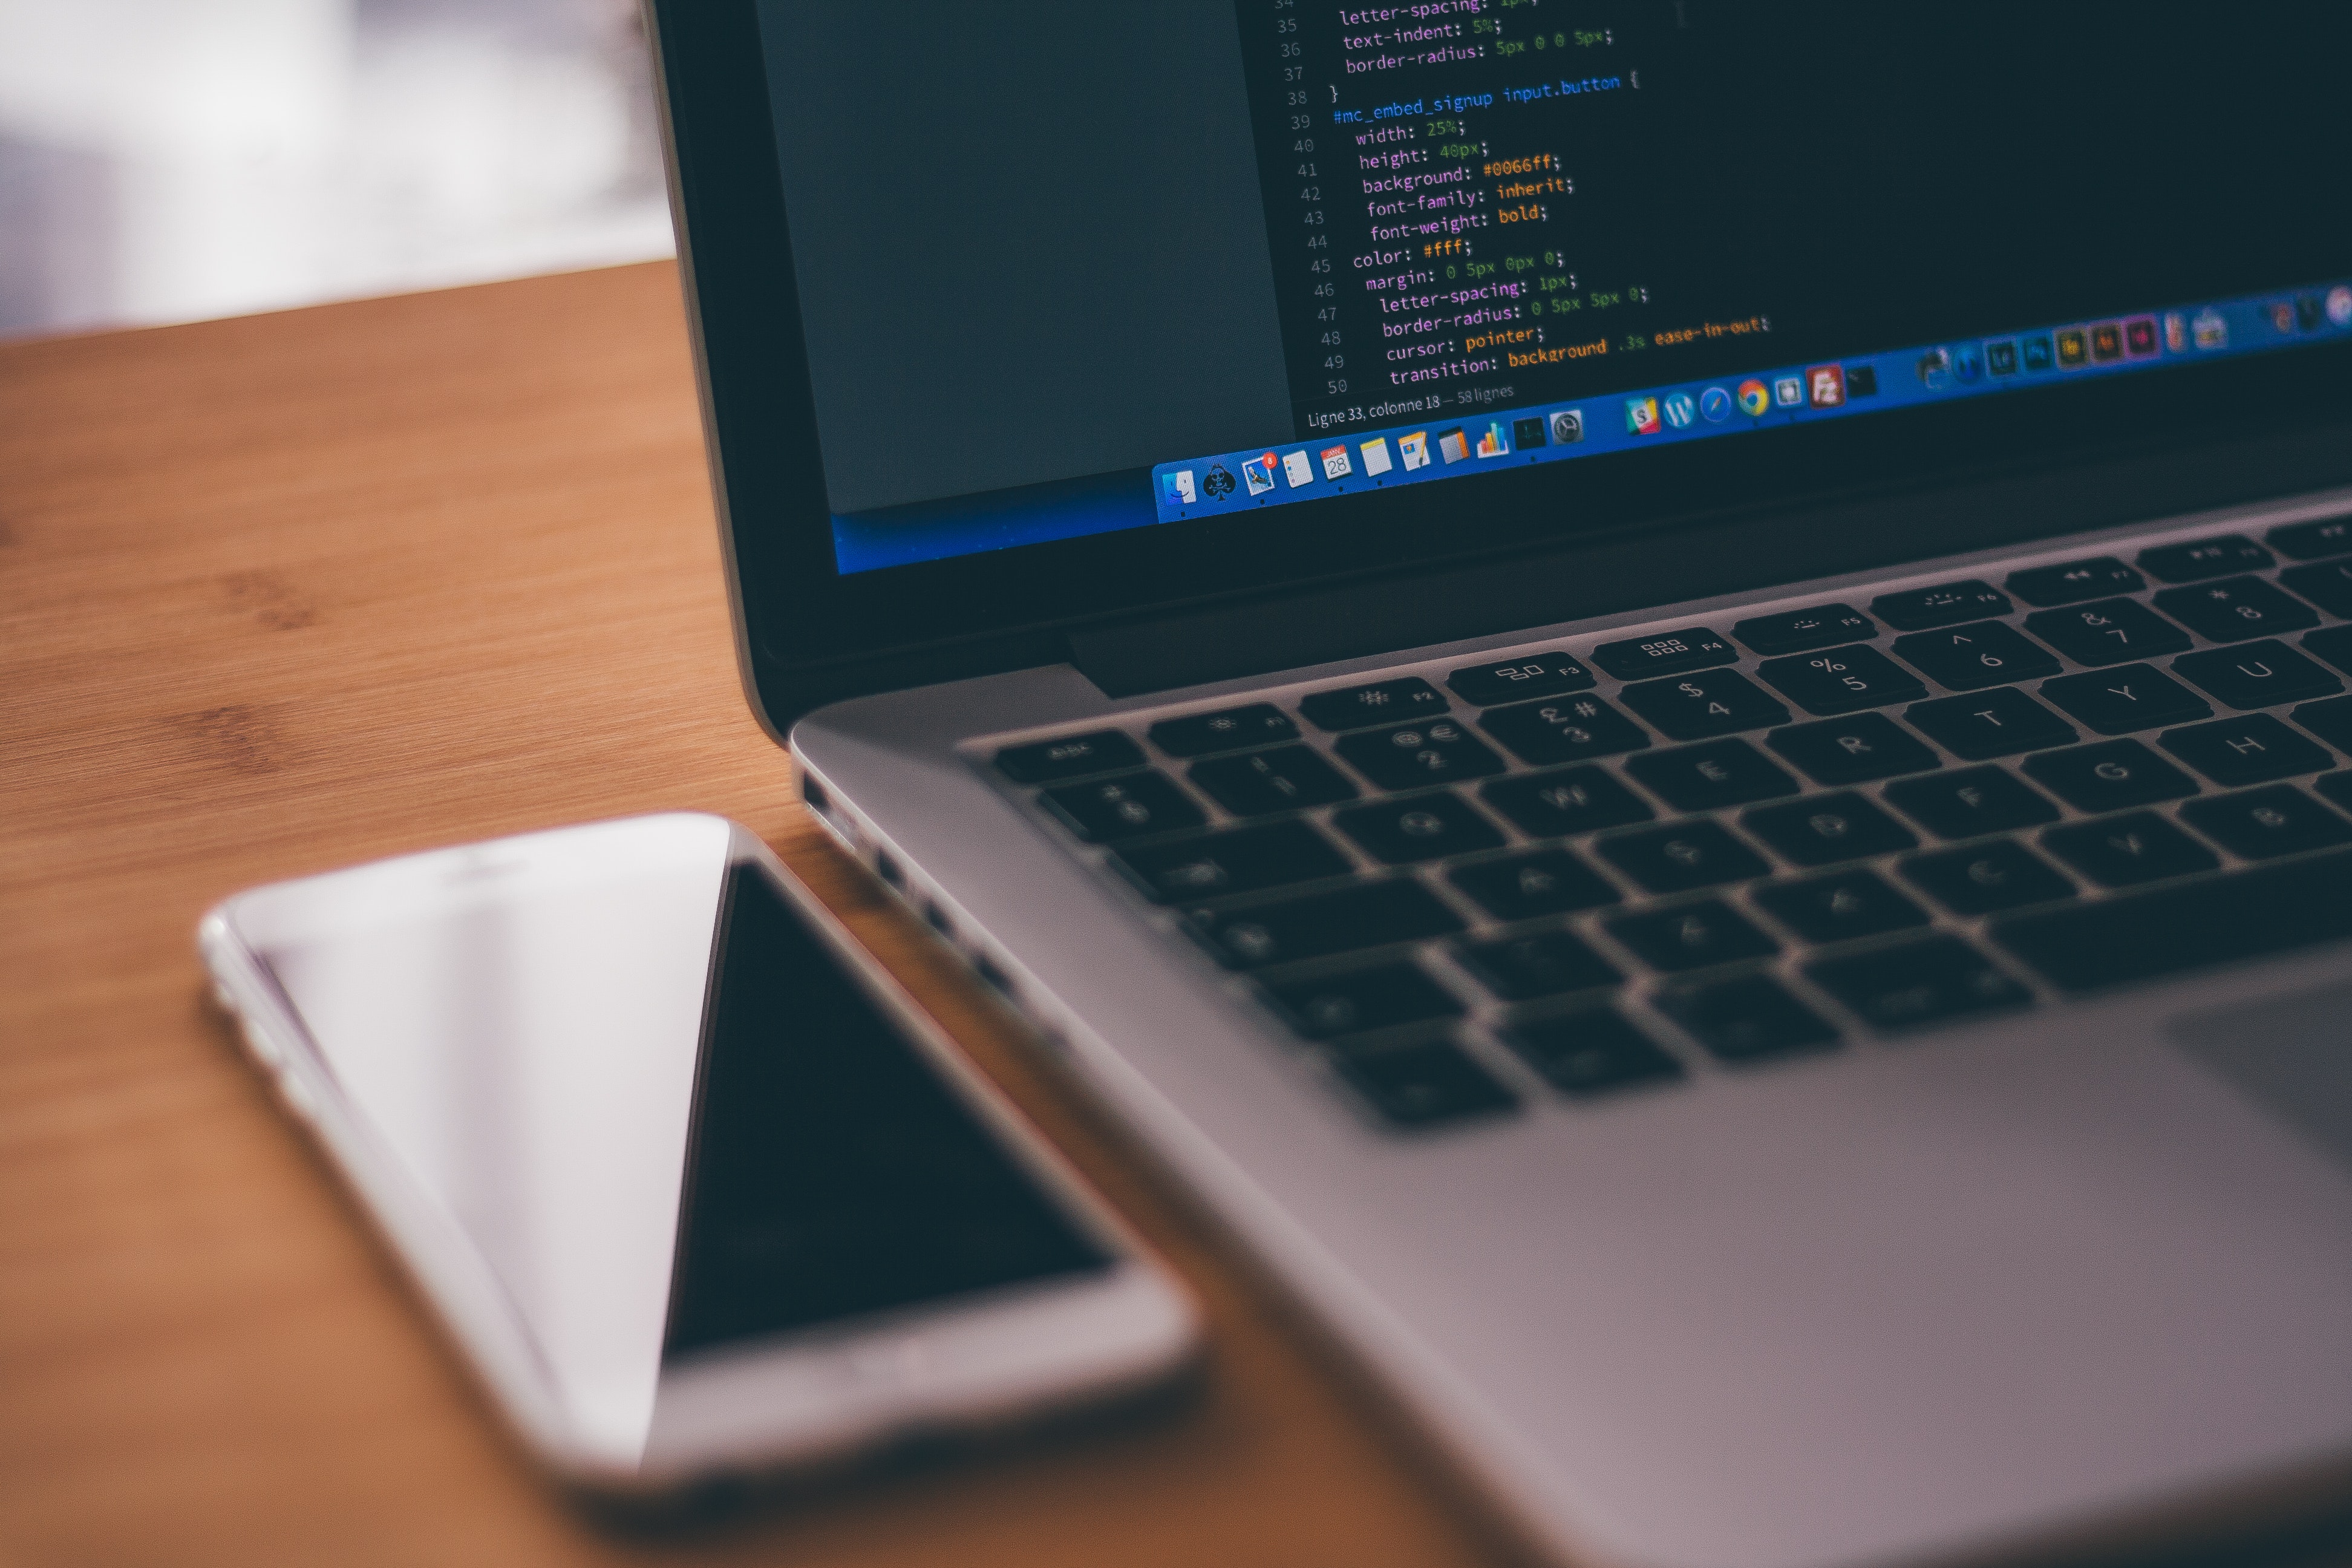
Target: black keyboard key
1571	800
1548	964
2327	584
1696	707
1917	984
1530	675
2334	644
2258	824
1969	802
1376	702
1681	855
2123	851
1828	828
2166	931
1981	653
1421	1085
2330	721
1692	936
1945	605
1379	997
1747	1019
1717	773
1370	914
2203	558
1237	860
1525	887
2075	581
1591	1053
1842	680
1798	631
1665	653
2312	541
1071	756
1287	778
2253	749
1839	907
2336	787
1997	724
1228	729
2235	610
2123	701
2111	631
1983	878
1411	755
1851	750
1127	806
2109	775
2259	675
1418	827
1567	731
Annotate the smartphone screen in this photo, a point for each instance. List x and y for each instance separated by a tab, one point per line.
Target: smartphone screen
664	1114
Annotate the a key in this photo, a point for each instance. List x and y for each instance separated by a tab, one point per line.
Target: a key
1714	774
2236	609
1370	914
2327	584
1842	679
1828	828
2334	644
1589	1053
1969	802
1916	985
1520	679
1981	653
1524	886
1229	730
1797	631
2112	631
2252	748
2336	787
1071	756
1665	653
2257	675
1839	907
1692	936
1358	999
1853	750
1681	855
1567	801
2203	558
1423	1086
2258	824
2123	851
1289	778
1747	1019
2330	721
1945	605
2002	722
1548	964
2109	775
1566	729
1126	806
1376	702
1983	878
2187	926
2312	541
1418	827
1711	702
1437	750
1237	860
2125	700
2075	581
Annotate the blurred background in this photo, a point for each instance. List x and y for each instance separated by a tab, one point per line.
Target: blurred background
170	160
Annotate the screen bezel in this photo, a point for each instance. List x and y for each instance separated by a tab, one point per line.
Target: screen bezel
809	632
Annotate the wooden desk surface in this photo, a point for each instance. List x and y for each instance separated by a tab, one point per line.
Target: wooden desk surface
285	592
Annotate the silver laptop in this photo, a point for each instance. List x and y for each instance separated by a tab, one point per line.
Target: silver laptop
1660	688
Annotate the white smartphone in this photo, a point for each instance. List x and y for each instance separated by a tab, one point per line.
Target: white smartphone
695	1186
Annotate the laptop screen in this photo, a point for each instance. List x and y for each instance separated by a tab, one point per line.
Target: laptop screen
1067	268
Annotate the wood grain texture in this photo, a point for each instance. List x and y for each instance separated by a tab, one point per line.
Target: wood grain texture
281	593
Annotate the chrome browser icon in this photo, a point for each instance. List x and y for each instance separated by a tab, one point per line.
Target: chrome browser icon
1754	399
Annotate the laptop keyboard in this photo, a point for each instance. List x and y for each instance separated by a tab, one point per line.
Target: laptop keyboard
1585	873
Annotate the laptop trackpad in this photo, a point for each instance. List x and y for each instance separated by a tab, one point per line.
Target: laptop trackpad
2290	1054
